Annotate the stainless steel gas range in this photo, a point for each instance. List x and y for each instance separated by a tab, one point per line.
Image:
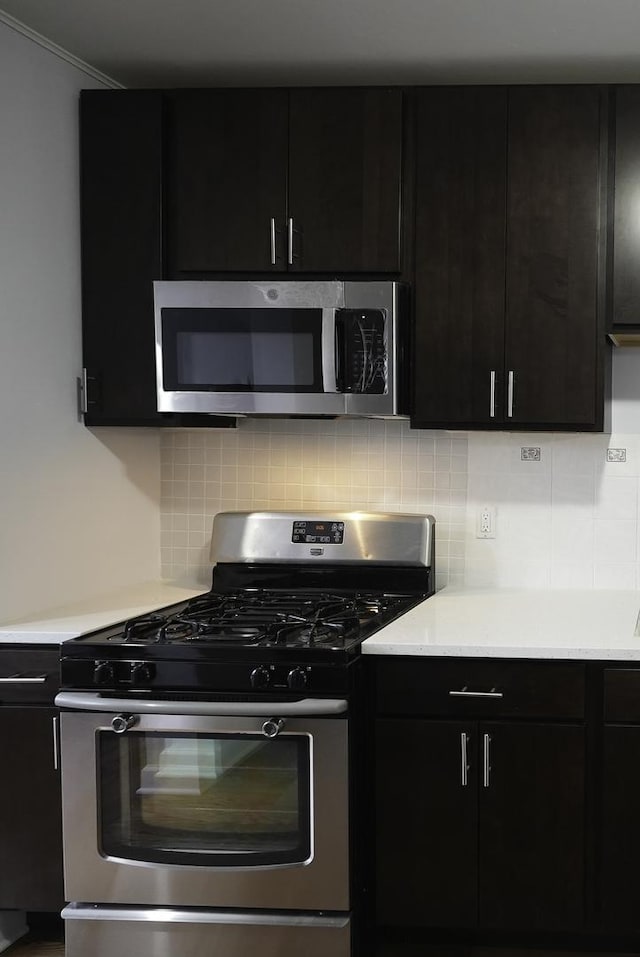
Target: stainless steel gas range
208	749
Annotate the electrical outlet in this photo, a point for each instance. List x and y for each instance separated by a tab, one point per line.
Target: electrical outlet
530	453
616	455
486	522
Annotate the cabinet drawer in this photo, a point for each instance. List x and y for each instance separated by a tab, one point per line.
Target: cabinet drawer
485	688
622	694
29	675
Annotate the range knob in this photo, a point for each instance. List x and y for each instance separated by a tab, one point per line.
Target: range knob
104	673
297	679
260	677
141	673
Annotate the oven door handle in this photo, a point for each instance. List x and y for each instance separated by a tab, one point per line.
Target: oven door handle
86	701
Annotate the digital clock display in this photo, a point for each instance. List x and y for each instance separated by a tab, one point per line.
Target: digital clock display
318	533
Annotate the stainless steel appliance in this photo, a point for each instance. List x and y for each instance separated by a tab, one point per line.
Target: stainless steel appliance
281	348
208	749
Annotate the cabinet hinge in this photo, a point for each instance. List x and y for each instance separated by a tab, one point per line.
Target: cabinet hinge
83	401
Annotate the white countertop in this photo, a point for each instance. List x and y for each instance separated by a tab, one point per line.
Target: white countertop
510	623
69	621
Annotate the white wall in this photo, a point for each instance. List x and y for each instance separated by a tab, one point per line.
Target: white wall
79	511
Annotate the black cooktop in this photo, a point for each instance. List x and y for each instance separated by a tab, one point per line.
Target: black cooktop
250	619
254	641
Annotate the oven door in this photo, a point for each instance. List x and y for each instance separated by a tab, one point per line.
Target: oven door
247	348
205	810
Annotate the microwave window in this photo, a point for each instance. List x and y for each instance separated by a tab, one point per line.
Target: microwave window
250	360
242	350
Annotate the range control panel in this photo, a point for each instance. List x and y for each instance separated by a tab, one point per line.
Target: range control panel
318	533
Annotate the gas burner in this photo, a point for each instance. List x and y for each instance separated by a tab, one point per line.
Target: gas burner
308	634
141	629
231	634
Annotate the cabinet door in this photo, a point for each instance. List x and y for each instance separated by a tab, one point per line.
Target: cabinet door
625	279
30	811
552	336
426	823
461	142
620	834
531	846
227	180
345	154
121	197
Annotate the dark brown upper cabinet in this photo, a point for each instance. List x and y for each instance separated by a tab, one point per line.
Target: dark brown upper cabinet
306	180
624	262
509	199
122	231
121	209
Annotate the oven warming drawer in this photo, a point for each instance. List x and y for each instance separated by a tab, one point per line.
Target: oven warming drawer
149	931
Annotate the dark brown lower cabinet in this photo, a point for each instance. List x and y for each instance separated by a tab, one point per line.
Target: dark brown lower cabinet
30	797
531	831
426	825
480	825
620	830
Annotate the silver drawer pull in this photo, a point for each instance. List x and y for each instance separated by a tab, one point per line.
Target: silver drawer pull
487	761
272	235
492	394
55	744
24	680
464	741
511	385
465	693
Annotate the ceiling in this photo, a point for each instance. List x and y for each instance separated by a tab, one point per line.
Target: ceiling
297	42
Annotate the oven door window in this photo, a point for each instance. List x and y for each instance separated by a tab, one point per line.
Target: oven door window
237	800
242	350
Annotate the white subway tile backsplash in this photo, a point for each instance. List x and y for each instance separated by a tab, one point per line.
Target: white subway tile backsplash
617	576
571	574
345	464
590	507
616	497
615	541
569	520
572	537
573	492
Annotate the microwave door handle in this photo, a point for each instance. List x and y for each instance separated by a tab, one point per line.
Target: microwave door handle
340	363
329	337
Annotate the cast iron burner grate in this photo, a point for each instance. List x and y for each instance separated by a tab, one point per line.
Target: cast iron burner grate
262	617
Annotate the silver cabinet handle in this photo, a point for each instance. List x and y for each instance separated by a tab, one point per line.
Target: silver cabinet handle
486	764
492	394
55	743
465	693
273	241
464	741
24	680
290	240
510	390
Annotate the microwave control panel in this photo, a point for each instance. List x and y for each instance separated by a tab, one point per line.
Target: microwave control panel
361	351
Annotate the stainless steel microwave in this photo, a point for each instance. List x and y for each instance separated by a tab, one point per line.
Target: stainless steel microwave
281	348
